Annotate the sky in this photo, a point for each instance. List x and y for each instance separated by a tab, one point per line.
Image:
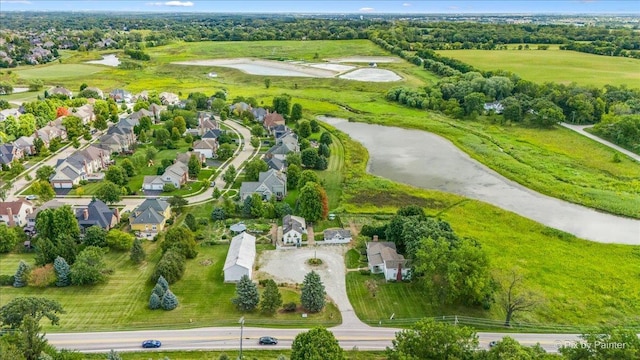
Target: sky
331	6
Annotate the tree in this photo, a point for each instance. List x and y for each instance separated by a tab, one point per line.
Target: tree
154	301
113	355
119	240
163	283
218	213
428	339
512	109
13	313
177	202
63	272
117	175
182	240
230	175
309	157
27	124
253	169
267	83
22	274
508	348
311	200
108	192
95	236
293	176
316	344
44	172
513	298
321	163
137	252
171	266
313	294
315	126
128	167
194	166
282	104
293	158
169	300
5	88
74	127
257	130
36	84
594	345
253	206
89	267
323	150
43	190
225	151
304	129
32	342
296	112
474	103
247	296
271	298
8	239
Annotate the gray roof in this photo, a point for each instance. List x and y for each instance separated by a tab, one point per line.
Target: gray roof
379	252
296	223
238	228
274	163
98	214
148	216
270	179
212	134
342	233
158	205
6	153
242	251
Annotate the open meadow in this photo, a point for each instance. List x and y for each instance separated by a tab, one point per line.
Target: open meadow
554	65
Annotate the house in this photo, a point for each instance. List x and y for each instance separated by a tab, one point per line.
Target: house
212	134
96	90
142	96
97	213
121	96
176	174
14	213
495	106
239	107
50	132
9	153
156	109
337	236
237	228
271	120
153	183
150	216
240	258
85	113
270	183
259	114
205	123
278	152
384	258
167	98
185	157
290	139
275	164
59	90
79	165
115	142
206	147
25	144
292	229
4	114
136	116
278	130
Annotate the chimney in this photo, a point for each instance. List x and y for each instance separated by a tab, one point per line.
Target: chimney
116	214
375	238
85	213
10	215
399	274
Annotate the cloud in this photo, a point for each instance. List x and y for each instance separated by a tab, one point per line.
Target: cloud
15	2
172	3
367	9
406	4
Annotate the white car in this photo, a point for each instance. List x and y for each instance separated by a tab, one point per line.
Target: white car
31	197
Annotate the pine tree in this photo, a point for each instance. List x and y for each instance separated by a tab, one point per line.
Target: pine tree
63	270
271	298
137	252
159	290
163	282
169	301
190	221
312	297
247	297
154	301
20	278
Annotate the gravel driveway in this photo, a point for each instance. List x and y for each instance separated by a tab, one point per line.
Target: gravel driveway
290	266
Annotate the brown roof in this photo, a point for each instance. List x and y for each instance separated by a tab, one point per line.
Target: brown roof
15	206
273	119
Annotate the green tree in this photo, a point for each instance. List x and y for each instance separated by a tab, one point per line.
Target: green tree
307	176
257	130
108	192
177	203
128	167
13	313
32	342
36	84
282	104
194	166
89	267
321	163
5	88
74	127
304	129
63	272
293	176
512	109
312	297
225	151
428	339
293	158
255	141
169	300
95	236
230	175
313	202
8	239
218	213
155	301
474	103
171	266
117	175
325	138
137	252
315	126
162	137
247	297
267	83
253	169
119	240
27	125
323	150
191	222
271	298
182	240
296	112
592	345
22	275
44	172
309	157
508	348
316	344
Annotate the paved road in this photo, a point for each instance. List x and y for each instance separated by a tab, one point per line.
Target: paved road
580	129
369	338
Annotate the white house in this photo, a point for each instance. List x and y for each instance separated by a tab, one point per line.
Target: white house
292	229
206	147
270	183
240	258
14	213
383	258
337	236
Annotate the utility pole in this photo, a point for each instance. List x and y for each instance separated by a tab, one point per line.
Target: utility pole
241	321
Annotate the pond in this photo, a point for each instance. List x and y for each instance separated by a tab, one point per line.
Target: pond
428	161
109	60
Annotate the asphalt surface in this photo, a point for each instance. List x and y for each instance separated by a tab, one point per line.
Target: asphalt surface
580	129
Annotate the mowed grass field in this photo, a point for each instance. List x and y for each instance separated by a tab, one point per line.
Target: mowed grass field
55	71
554	65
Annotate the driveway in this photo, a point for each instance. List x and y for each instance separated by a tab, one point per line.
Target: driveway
290	266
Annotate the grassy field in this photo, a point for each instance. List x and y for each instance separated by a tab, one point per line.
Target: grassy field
267	354
331	178
56	71
554	65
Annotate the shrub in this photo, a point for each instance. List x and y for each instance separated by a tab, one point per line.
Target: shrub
154	301
43	276
290	307
6	280
365	272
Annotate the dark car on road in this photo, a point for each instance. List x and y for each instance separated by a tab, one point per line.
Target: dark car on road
267	340
151	344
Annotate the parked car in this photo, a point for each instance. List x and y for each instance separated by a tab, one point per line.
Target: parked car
268	340
493	343
31	197
151	344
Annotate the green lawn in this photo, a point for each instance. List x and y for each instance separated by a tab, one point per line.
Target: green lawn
268	354
354	260
55	71
554	65
331	178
